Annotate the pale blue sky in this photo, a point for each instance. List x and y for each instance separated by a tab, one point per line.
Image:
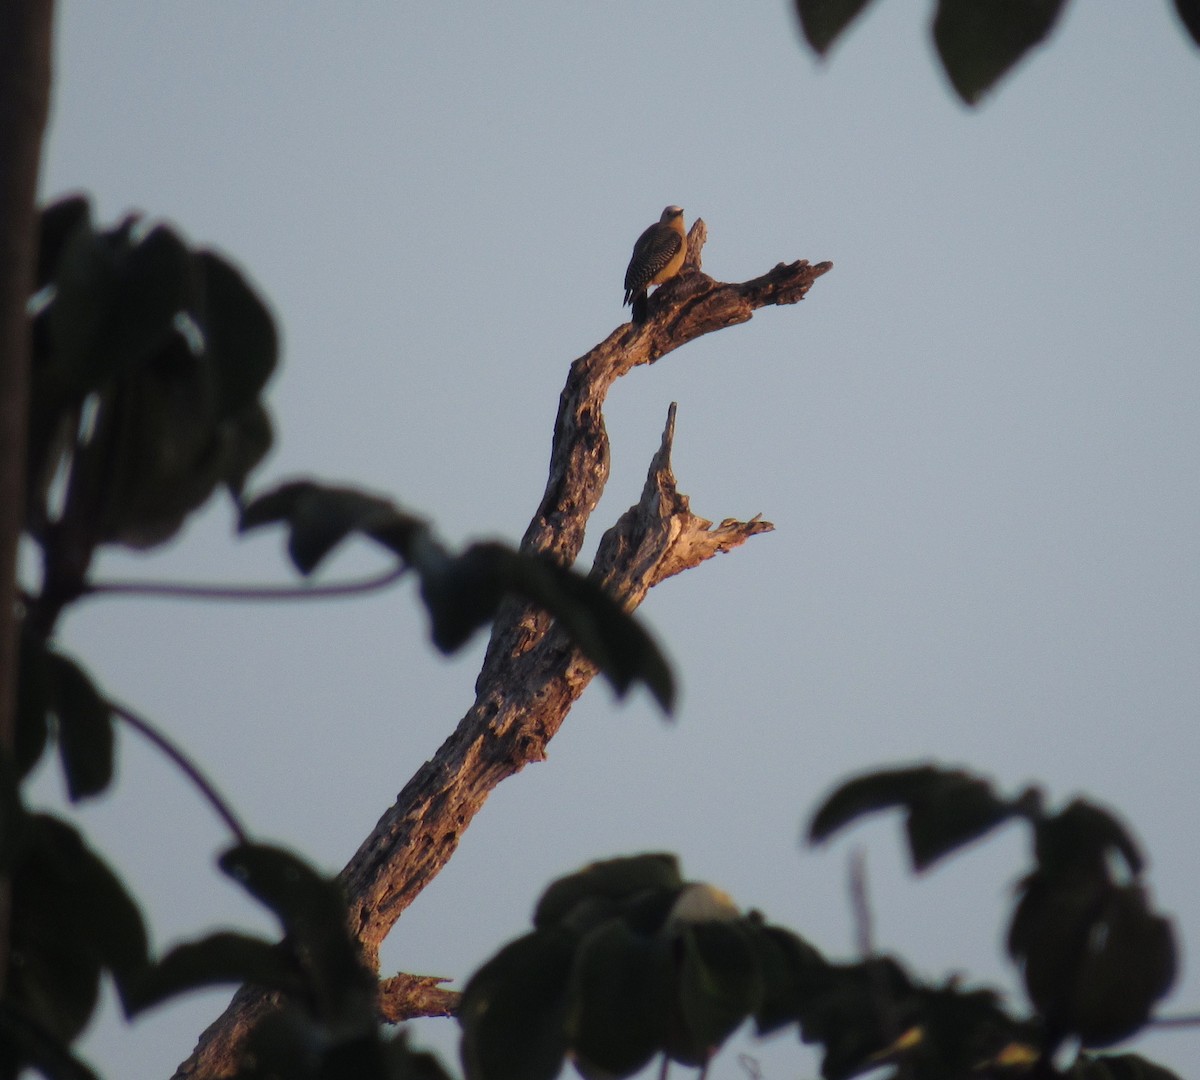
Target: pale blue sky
978	439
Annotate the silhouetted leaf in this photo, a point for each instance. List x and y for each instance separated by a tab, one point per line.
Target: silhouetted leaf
946	808
71	918
979	40
845	1008
358	1058
959	1031
603	631
109	919
13	817
174	350
1084	834
85	728
613	879
1189	14
513	1010
1049	934
157	446
242	445
154	286
222	957
719	986
645	912
116	298
1128	966
57	222
957	811
312	909
285	1044
26	1044
86	284
824	20
239	332
617	993
790	968
886	789
1117	1067
464	593
404	1063
58	983
33	703
290	887
320	517
1094	957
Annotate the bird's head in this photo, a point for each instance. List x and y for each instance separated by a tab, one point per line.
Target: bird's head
670	214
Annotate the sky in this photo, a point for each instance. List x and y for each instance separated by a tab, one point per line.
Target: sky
978	439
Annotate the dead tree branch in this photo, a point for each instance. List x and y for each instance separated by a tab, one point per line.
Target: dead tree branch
531	674
406	997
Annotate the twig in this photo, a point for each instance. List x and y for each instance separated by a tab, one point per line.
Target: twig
860	904
1181	1021
252	593
406	997
750	1065
190	770
864	932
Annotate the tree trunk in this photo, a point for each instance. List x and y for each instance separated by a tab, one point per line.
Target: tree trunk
25	56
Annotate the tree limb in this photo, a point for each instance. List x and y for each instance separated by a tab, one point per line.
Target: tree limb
406	997
531	674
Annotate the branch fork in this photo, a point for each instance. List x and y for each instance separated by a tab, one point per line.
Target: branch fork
531	675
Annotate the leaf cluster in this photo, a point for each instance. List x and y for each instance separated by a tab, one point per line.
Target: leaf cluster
1094	954
978	41
627	961
72	921
149	361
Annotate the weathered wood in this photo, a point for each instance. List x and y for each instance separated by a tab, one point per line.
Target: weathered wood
531	674
405	997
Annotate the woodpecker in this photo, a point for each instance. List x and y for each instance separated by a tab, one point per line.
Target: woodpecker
657	257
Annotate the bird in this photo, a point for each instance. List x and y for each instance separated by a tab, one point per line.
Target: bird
657	257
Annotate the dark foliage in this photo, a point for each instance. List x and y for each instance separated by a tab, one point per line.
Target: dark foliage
150	362
463	591
978	41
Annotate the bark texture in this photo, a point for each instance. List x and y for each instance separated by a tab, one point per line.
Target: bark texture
531	674
405	997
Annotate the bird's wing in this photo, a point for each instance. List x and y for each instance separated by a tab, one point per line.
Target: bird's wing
656	247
